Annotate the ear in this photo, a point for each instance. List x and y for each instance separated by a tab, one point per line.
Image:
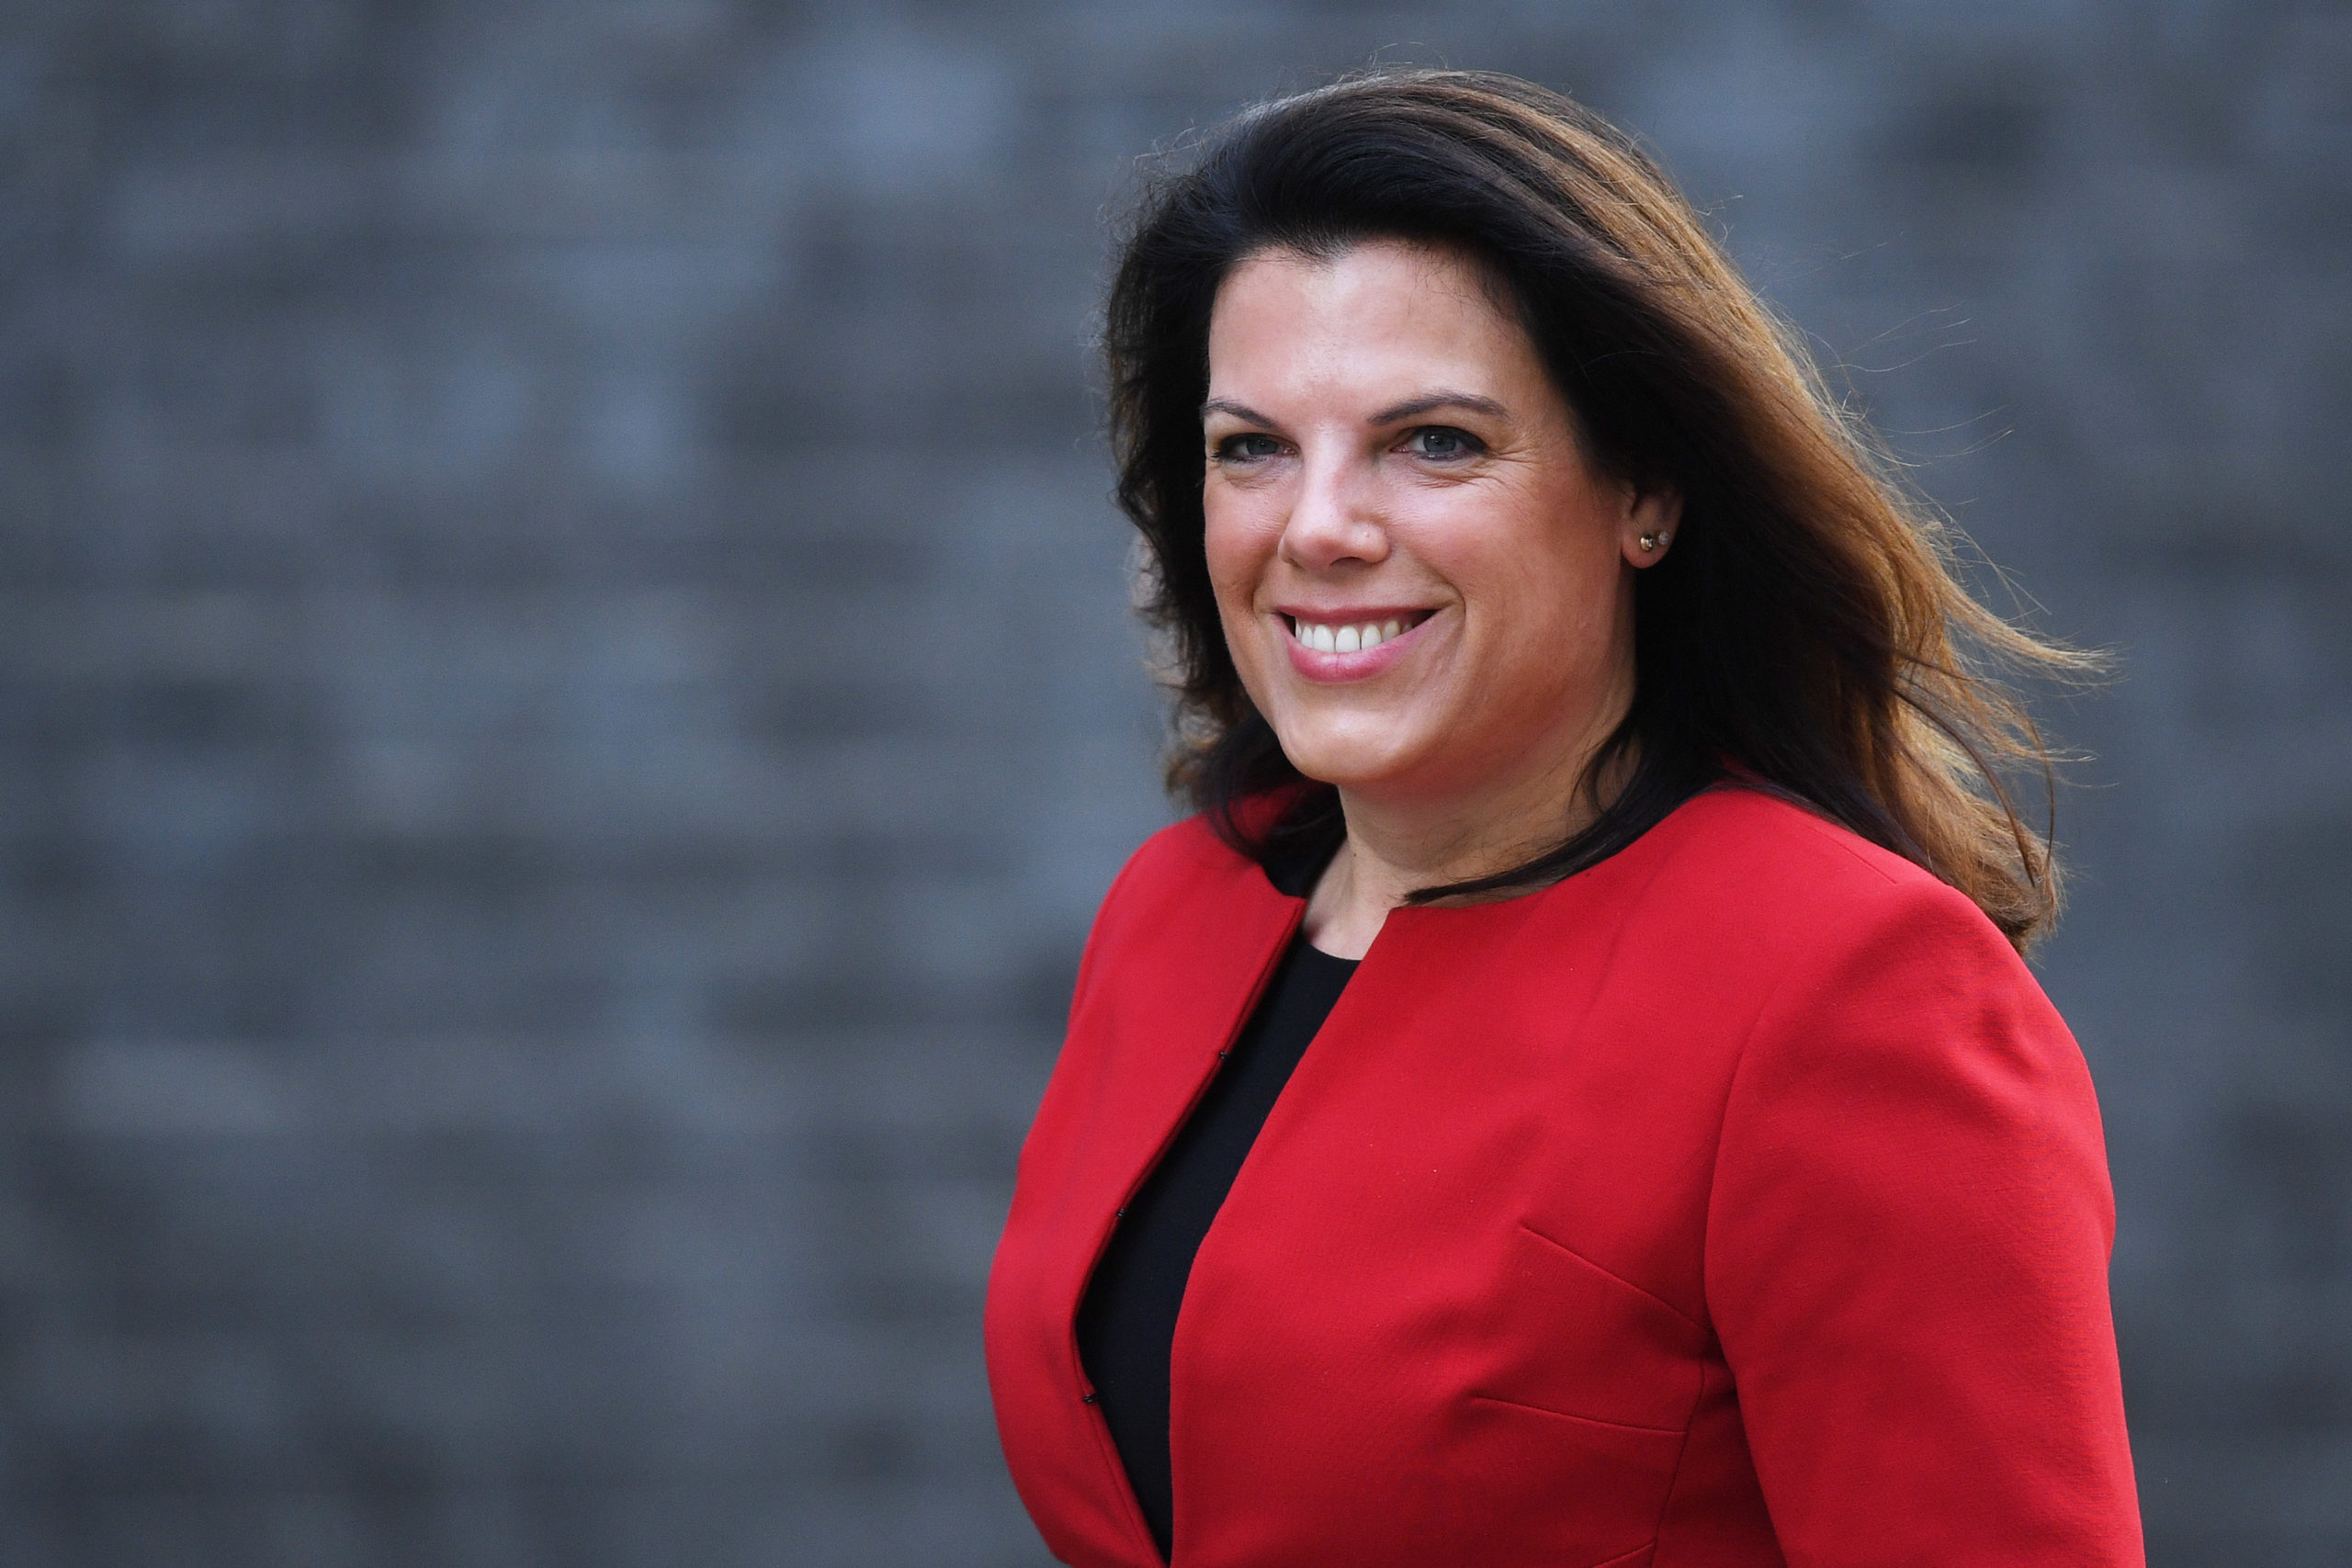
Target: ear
1646	531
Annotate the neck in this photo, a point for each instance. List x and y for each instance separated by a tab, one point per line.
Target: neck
1396	845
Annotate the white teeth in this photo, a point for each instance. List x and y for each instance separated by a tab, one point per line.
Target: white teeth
1344	640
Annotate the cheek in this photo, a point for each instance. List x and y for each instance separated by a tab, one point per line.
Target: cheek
1544	593
1236	551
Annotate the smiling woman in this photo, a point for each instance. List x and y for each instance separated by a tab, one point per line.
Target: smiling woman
1492	547
1572	1094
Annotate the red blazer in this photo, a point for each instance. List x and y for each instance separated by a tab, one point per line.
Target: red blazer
1740	1201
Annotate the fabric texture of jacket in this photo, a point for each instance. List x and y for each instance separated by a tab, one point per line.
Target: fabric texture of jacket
1740	1201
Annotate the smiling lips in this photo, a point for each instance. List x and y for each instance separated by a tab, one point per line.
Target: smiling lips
1335	648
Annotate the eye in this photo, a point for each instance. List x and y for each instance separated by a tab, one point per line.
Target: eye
1248	447
1442	444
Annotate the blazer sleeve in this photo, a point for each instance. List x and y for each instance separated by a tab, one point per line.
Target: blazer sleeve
1908	1234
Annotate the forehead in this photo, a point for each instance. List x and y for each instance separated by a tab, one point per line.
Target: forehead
1371	315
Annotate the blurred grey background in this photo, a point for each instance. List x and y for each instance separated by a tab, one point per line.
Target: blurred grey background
566	700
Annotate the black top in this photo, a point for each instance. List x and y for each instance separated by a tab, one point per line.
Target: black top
1126	1324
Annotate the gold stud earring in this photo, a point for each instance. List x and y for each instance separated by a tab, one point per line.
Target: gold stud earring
1651	540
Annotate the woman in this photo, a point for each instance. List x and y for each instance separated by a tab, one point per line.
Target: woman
1686	1169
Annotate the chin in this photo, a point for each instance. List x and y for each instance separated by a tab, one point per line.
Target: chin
1348	761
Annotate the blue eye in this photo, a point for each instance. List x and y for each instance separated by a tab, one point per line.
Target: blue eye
1442	443
1246	448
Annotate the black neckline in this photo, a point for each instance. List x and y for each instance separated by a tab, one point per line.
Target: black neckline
1296	868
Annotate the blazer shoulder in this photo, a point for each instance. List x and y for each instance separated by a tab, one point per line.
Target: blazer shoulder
1756	861
1172	875
1811	923
1176	860
1764	897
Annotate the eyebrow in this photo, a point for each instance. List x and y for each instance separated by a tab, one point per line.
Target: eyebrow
1436	401
1391	415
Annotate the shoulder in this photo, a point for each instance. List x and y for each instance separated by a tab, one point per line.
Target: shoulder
1851	964
1186	847
1769	879
1756	840
1183	860
1180	883
1881	1029
1793	937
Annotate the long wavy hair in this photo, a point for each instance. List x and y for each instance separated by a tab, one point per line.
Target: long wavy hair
1809	633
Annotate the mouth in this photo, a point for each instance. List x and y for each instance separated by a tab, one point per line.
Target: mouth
1359	633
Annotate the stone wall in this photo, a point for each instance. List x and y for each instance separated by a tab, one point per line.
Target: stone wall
565	700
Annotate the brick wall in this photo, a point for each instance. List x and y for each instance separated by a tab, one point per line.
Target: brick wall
565	699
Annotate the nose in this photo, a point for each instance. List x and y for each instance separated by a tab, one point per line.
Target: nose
1335	516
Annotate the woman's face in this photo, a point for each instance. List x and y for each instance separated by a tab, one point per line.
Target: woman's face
1427	589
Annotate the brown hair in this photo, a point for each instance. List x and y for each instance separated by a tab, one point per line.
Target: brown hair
1808	633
